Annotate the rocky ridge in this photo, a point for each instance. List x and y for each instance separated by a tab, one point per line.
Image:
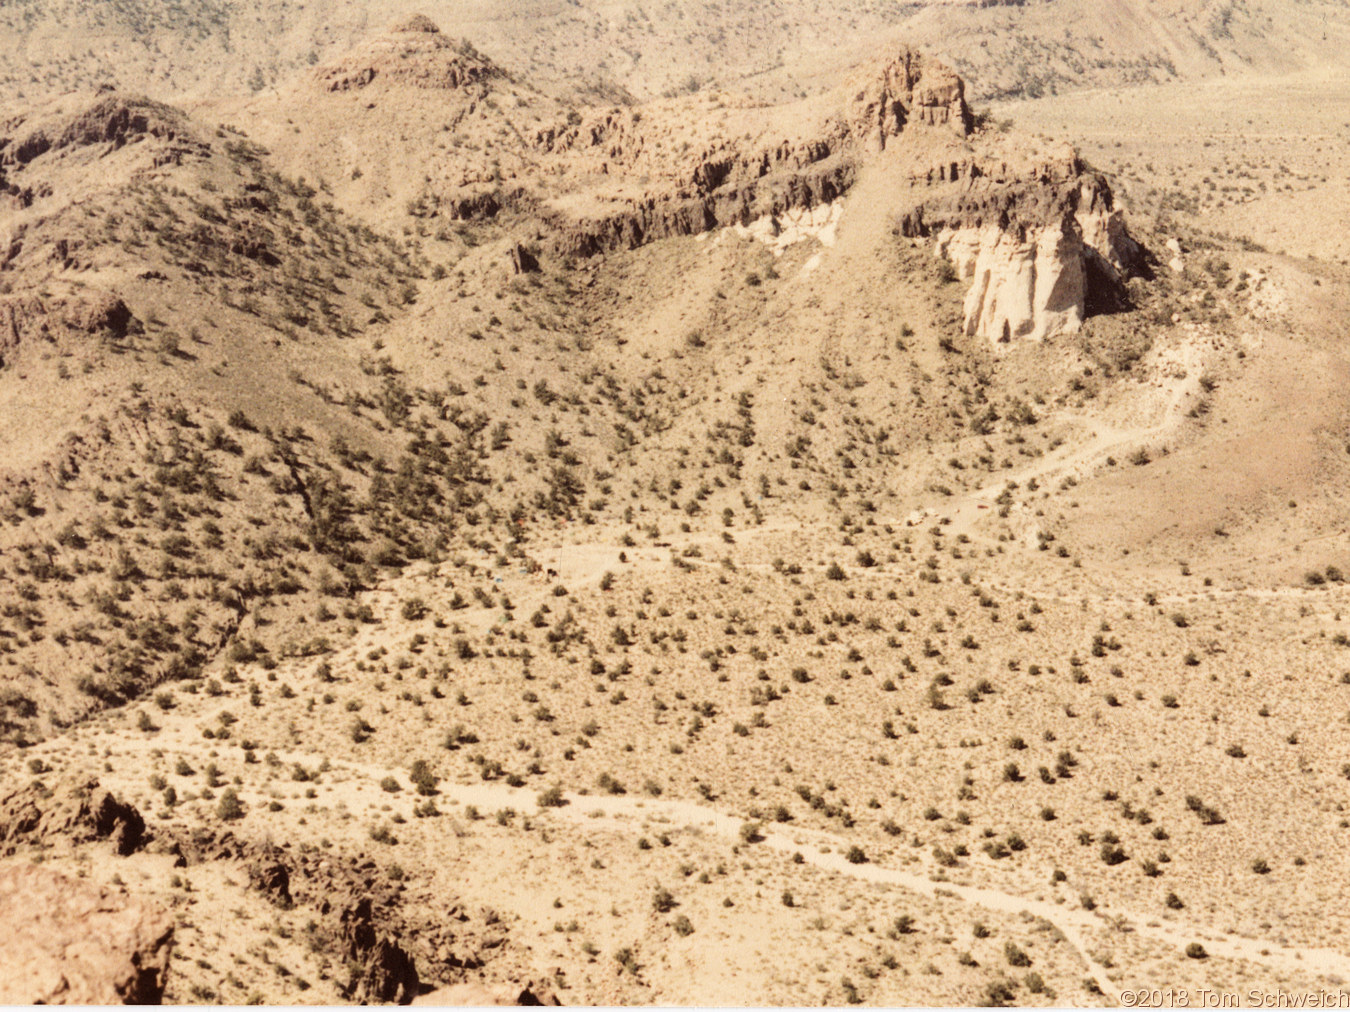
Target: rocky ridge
725	181
394	950
593	180
1041	245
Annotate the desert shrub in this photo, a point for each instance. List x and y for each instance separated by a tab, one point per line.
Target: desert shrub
1208	815
230	807
423	778
607	783
551	798
1112	854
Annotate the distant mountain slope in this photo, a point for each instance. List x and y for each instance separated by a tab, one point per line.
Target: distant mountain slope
774	50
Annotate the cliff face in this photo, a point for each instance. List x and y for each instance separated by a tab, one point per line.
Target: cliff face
727	181
1037	252
1031	284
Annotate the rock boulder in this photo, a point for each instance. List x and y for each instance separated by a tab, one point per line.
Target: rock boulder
72	943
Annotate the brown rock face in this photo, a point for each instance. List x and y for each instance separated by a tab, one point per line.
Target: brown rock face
78	812
908	89
69	942
660	216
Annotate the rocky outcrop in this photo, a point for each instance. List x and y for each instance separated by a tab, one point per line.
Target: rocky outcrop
391	947
381	970
1039	254
70	942
75	812
111	122
272	879
79	314
522	261
1023	284
908	89
414	54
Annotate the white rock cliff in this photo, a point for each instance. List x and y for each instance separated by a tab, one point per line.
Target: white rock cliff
1036	256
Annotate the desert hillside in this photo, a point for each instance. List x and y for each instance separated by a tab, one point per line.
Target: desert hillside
623	53
773	504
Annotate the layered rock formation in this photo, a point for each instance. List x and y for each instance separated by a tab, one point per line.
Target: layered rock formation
727	181
70	942
664	215
1039	253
